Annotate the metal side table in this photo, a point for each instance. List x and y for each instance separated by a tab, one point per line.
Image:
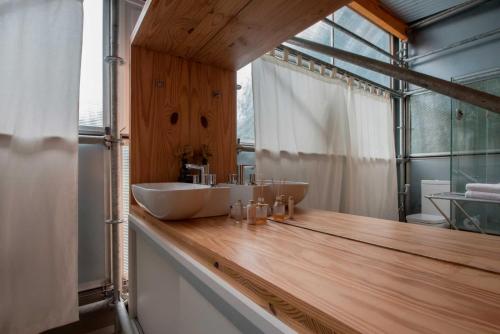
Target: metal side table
455	198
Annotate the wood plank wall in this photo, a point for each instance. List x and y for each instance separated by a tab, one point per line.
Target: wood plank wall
161	85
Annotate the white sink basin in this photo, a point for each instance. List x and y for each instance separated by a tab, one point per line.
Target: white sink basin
289	188
176	200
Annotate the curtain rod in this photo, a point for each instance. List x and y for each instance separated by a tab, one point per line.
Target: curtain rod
454	90
341	71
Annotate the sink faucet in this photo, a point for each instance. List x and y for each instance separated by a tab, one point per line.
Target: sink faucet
241	173
204	170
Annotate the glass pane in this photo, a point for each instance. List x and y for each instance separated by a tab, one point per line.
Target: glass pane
357	24
245	116
91	82
320	33
476	155
246	158
430	123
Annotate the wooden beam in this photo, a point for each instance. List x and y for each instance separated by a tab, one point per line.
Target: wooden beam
373	11
456	91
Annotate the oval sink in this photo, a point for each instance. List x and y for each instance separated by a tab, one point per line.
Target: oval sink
289	188
171	200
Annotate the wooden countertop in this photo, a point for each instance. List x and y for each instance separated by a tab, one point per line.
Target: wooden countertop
350	274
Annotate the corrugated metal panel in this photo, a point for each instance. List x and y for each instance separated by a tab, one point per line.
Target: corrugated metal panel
412	10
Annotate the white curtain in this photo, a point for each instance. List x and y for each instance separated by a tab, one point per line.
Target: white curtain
40	43
338	138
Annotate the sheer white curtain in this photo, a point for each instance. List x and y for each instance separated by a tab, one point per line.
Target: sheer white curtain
40	43
322	131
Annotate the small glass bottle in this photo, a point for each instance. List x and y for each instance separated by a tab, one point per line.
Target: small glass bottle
251	212
261	210
279	210
237	211
291	207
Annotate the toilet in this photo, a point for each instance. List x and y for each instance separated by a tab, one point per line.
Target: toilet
430	216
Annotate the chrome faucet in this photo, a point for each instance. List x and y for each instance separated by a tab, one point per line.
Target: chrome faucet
204	170
241	173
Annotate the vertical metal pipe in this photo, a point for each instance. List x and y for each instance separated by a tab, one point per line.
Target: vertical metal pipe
405	127
114	147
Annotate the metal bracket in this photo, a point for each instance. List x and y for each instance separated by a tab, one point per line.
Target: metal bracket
114	59
117	221
109	140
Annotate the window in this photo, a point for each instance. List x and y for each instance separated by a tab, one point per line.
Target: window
245	118
430	123
320	33
325	34
91	77
357	24
245	129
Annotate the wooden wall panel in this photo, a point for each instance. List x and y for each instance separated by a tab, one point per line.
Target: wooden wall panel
161	85
212	95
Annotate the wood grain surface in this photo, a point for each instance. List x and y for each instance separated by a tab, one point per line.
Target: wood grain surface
469	249
320	283
225	33
162	85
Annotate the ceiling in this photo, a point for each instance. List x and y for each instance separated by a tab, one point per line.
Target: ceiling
412	10
225	33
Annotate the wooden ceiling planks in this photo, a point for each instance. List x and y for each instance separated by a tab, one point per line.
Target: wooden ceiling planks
225	33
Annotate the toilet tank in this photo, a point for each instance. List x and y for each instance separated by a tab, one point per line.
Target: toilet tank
429	187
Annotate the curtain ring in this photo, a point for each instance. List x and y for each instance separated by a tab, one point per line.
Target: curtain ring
285	55
299	60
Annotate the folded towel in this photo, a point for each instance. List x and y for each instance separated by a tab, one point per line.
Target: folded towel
481	195
483	187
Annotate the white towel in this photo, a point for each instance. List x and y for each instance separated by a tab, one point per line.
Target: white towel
483	187
481	195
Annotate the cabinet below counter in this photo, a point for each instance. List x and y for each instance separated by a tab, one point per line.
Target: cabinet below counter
323	272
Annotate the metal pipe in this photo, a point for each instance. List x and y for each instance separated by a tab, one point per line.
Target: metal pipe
457	44
306	57
85	139
460	92
126	324
114	146
361	39
445	14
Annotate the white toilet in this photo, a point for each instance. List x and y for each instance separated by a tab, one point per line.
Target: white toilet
430	216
